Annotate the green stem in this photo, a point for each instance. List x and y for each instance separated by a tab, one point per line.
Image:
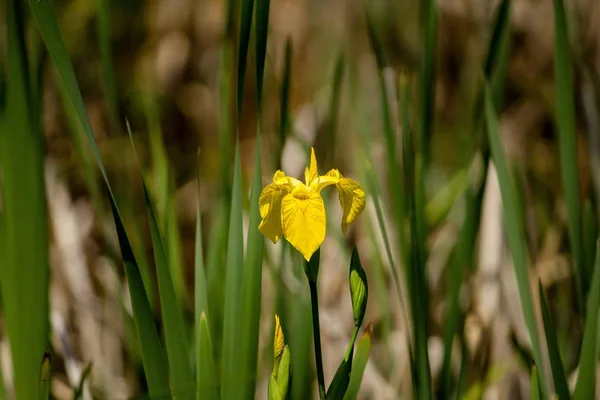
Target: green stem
317	337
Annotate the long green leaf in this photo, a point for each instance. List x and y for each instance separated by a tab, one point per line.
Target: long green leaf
153	356
261	28
567	143
45	376
181	377
25	273
78	391
590	235
231	369
207	384
558	371
534	385
515	233
363	349
462	258
201	307
427	77
588	357
106	61
252	284
417	283
244	39
285	99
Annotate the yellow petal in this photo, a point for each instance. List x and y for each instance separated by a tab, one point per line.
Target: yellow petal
310	174
303	219
270	206
278	340
352	200
331	178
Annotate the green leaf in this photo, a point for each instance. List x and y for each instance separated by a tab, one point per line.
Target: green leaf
534	385
416	282
588	358
231	369
395	183
363	349
106	60
207	384
25	256
427	77
515	232
252	289
285	99
262	29
339	385
567	143
462	258
590	233
244	39
45	376
558	372
153	356
78	392
180	371
200	310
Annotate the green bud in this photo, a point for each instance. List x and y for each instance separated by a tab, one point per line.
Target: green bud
279	381
311	268
359	289
284	373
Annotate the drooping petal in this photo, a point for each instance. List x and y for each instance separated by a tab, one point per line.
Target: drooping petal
352	200
270	206
303	220
331	178
311	173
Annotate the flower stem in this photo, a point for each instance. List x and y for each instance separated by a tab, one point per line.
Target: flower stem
317	337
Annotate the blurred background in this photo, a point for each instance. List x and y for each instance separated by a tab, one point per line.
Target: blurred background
159	64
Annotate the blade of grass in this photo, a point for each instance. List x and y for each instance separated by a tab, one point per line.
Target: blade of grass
244	39
215	277
567	144
201	305
417	283
334	106
363	349
534	385
285	100
107	64
25	229
78	391
45	376
494	69
153	355
588	357
230	368
427	79
252	285
558	371
515	233
394	180
590	233
261	28
207	383
180	372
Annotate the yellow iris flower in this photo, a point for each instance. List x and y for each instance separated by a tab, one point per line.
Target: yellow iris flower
296	209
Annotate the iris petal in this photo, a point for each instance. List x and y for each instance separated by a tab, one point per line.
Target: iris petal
303	220
352	200
311	173
270	206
